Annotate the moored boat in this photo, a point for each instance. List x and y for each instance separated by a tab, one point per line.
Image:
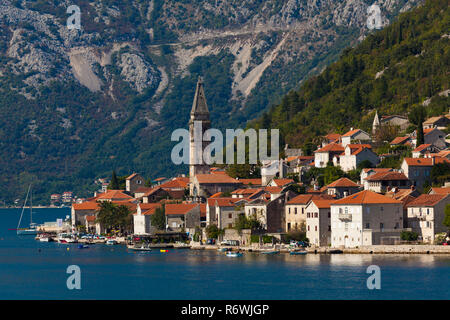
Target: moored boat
111	242
270	252
298	252
234	254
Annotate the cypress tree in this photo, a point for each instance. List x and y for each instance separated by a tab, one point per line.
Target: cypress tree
114	184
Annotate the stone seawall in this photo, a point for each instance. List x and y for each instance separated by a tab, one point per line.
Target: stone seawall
378	249
388	249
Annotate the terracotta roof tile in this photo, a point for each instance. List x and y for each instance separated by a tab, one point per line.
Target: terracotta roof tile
443	190
387	176
366	197
400	140
179	208
427	200
343	183
421	147
425	161
215	178
114	194
332	147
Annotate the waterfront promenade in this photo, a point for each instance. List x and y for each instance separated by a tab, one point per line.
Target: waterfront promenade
377	249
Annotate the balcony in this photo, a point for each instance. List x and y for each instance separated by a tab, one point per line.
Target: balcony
345	216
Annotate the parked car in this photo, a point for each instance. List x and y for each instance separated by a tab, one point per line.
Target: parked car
211	241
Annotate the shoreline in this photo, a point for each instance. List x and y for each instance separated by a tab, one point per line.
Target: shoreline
378	249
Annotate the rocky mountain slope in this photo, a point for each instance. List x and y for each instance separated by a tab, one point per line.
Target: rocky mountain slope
74	104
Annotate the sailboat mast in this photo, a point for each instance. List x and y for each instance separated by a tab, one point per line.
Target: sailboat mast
23	208
31	206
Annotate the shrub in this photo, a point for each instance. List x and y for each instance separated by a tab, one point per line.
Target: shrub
409	236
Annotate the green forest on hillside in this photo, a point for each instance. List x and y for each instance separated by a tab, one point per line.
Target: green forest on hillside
411	58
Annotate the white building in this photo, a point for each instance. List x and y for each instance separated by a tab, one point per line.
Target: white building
355	135
318	222
142	218
365	218
426	215
355	154
326	154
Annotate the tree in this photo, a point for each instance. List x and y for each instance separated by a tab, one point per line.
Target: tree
417	117
247	223
148	183
409	236
213	232
114	184
112	216
447	216
158	219
332	174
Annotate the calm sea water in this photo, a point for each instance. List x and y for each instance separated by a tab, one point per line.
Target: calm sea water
33	270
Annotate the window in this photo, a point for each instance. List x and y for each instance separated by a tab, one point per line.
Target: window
396	225
308	228
316	214
346	210
367	225
381	208
289	210
329	214
296	210
230	216
315	228
381	225
329	228
303	211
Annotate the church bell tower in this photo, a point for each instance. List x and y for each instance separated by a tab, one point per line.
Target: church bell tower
199	116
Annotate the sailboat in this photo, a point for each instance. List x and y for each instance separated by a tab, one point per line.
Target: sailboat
32	230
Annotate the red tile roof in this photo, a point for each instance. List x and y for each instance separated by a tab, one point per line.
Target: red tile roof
180	182
305	198
376	170
215	179
322	203
223	202
332	147
180	208
421	147
90	205
114	194
132	176
366	197
342	183
351	133
443	190
400	140
425	161
427	200
142	190
282	182
273	190
256	182
387	176
335	137
149	208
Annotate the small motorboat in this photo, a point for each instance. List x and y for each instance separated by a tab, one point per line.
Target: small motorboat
270	252
163	251
335	251
298	252
234	254
111	242
83	246
224	249
45	238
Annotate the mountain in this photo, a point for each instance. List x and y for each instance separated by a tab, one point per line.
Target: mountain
392	71
75	104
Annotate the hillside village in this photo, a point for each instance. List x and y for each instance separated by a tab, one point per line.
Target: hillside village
379	205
